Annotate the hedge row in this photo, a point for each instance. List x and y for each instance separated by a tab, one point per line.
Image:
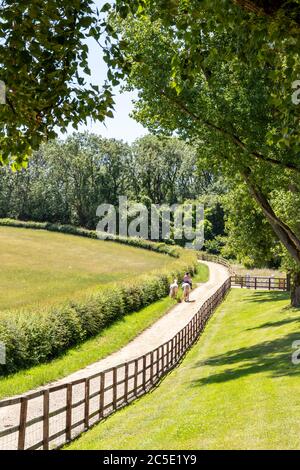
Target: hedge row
83	232
31	339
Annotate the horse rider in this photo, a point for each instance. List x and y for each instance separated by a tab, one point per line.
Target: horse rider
187	280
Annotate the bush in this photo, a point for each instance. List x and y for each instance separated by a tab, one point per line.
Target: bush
31	339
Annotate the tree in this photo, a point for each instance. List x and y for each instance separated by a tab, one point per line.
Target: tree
67	180
164	170
44	65
217	84
250	238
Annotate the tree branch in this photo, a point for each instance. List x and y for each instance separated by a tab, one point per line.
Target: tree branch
231	137
269	8
250	6
286	235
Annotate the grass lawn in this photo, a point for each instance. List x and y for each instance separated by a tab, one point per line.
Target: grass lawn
202	274
236	389
108	341
39	268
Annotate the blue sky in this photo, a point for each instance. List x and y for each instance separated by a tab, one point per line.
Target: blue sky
121	126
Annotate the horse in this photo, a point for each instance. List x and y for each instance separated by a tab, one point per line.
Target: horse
186	291
174	289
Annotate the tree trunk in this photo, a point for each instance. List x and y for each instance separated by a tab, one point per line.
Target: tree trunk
295	290
285	234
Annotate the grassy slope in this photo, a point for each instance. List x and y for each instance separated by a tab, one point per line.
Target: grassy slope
236	388
108	341
50	267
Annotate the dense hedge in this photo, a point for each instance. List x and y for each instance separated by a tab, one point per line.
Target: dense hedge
31	339
83	232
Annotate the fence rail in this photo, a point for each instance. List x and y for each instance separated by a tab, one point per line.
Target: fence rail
52	417
260	282
250	282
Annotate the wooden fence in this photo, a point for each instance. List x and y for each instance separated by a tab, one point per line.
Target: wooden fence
260	282
51	417
250	282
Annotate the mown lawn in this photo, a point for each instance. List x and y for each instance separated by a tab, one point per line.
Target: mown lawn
39	268
236	389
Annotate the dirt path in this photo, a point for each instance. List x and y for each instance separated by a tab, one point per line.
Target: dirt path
160	332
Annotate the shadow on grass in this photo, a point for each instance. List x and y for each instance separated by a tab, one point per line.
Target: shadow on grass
286	321
273	357
267	296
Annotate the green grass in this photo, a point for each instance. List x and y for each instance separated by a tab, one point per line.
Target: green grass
202	274
40	268
236	389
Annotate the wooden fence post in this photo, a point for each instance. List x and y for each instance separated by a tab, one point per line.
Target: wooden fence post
23	418
151	367
144	371
86	403
173	351
136	368
69	412
178	346
167	355
101	396
126	374
46	420
163	359
194	328
115	379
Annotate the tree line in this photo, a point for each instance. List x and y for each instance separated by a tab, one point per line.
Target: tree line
66	180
